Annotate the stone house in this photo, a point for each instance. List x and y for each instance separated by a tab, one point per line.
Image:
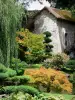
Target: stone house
60	23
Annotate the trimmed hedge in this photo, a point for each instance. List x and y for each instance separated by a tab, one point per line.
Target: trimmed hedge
3	76
2	68
7	74
25	89
19	79
36	65
11	72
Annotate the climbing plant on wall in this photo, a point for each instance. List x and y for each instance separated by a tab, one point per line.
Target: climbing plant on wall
10	17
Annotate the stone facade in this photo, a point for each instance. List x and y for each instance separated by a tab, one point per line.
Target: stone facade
63	32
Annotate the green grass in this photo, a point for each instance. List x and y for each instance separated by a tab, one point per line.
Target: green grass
66	96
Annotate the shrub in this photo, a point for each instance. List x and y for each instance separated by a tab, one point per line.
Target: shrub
2	68
51	79
25	89
10	72
56	61
70	65
74	83
47	41
36	65
36	56
26	96
19	79
3	76
29	43
18	65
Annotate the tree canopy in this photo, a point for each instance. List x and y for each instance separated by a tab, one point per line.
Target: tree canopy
63	3
10	18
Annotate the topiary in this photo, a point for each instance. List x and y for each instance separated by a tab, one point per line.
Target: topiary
47	41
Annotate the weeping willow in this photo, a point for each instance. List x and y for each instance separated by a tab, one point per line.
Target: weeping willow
10	20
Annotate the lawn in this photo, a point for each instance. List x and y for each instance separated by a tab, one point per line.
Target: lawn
66	96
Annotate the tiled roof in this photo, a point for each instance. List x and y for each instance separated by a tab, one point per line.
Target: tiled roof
61	14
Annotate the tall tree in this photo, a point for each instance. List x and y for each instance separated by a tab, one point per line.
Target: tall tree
10	18
63	3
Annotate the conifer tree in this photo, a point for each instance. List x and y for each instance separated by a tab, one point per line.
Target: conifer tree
47	42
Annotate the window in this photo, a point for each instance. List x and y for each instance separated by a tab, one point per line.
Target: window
65	39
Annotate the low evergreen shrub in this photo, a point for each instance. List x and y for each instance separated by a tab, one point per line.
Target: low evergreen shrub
25	89
19	79
3	76
18	65
36	65
2	68
11	72
70	65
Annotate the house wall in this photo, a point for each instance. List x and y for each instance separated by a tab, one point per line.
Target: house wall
47	22
69	28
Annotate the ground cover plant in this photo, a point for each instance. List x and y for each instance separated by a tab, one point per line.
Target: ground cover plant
26	96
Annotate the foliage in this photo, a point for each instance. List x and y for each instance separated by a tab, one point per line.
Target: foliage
53	80
56	61
62	3
11	72
8	73
26	96
18	79
30	45
70	65
30	40
3	76
2	68
23	88
35	57
47	40
10	18
35	65
18	65
74	83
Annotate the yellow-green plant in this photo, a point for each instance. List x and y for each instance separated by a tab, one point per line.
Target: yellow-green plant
30	45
